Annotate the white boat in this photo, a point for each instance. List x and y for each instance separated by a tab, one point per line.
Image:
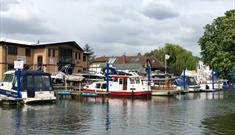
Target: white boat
208	86
36	86
164	87
203	77
120	85
190	84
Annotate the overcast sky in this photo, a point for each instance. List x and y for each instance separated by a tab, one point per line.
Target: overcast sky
111	27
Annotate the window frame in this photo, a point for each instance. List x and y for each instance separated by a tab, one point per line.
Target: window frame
12	50
27	52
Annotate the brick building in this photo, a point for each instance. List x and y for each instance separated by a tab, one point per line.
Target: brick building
50	57
136	63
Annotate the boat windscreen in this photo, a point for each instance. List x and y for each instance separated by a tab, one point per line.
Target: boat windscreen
191	81
38	82
103	86
8	78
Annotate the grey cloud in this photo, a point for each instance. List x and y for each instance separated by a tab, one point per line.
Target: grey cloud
115	27
34	26
5	4
159	12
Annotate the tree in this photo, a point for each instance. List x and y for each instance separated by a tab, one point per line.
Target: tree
179	57
90	52
218	43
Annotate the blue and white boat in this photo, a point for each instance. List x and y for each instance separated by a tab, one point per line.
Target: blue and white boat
36	86
190	84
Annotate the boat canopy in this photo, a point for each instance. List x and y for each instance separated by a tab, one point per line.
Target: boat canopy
35	80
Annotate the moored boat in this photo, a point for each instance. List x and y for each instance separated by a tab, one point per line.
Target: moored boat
164	87
120	85
36	86
189	85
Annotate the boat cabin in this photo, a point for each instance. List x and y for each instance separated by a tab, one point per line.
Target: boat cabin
121	82
31	82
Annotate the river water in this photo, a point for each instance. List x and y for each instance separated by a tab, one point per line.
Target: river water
192	113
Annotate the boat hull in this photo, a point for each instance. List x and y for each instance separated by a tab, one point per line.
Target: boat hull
208	87
39	97
119	93
165	92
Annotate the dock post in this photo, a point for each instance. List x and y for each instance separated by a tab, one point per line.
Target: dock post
217	78
213	83
232	76
107	78
149	81
184	78
18	84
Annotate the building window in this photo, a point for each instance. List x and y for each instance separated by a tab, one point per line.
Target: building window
79	56
84	57
65	55
10	66
12	50
51	52
76	55
27	52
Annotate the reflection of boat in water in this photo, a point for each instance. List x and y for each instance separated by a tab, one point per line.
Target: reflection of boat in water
35	87
120	85
164	87
164	99
203	95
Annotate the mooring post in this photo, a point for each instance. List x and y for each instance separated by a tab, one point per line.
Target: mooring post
149	81
107	78
18	84
217	77
213	83
232	77
184	78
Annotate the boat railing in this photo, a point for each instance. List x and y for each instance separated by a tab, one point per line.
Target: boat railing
163	84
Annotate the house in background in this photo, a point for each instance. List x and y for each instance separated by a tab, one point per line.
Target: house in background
49	57
136	63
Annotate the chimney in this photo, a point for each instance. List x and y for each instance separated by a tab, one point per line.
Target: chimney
38	42
124	59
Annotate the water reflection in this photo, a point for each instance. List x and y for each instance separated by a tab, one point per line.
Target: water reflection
191	113
220	125
107	121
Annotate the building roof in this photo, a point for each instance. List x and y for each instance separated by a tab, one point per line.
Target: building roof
131	67
138	59
28	44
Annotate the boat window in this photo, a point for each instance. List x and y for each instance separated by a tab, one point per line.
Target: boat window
115	80
97	85
29	82
132	81
21	82
137	81
8	78
46	82
120	81
103	86
38	82
191	81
